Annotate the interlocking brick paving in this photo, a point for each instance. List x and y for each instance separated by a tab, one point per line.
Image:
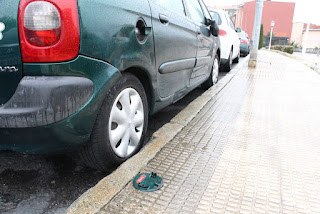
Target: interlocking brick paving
254	148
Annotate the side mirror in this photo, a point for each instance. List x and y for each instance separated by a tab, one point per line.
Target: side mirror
214	28
238	30
207	21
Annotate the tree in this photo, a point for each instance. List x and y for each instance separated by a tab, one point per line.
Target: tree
261	37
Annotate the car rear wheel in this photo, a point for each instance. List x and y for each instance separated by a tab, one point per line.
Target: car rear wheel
236	60
120	127
227	65
213	78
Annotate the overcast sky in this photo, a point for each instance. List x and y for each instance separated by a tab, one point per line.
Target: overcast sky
305	10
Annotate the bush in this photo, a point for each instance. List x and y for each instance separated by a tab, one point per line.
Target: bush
294	44
277	47
284	48
261	37
288	49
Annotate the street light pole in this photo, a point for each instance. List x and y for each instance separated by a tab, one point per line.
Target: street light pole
272	24
256	34
305	39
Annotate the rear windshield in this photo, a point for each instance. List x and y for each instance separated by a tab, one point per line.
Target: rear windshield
242	34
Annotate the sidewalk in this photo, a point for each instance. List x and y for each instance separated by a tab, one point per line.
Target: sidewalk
253	148
312	60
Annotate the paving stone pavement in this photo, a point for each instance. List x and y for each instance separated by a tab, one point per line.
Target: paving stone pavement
254	148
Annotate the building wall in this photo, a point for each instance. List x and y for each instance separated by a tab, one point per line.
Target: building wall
313	38
279	12
239	17
296	35
299	31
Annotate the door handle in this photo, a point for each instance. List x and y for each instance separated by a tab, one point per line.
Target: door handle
163	19
198	31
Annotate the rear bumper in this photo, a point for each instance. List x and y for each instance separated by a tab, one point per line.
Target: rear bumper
55	106
40	101
244	48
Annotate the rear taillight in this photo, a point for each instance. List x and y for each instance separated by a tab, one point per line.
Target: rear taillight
49	30
222	33
42	24
244	41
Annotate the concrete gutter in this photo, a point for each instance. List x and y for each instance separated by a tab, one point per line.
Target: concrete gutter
93	200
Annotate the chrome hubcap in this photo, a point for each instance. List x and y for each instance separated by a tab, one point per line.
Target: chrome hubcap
126	122
215	71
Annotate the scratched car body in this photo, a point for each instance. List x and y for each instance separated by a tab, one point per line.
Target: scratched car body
84	75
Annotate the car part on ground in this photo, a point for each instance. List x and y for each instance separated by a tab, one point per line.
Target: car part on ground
146	182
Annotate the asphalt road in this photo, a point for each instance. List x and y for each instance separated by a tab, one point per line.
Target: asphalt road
49	184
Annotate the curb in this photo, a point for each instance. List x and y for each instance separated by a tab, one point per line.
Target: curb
94	199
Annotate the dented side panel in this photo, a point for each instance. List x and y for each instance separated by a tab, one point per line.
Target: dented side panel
41	101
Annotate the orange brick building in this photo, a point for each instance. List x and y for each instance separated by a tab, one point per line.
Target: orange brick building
279	12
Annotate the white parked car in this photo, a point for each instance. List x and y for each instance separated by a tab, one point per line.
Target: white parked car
229	39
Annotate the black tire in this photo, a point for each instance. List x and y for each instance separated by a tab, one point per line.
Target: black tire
211	81
98	153
236	60
227	65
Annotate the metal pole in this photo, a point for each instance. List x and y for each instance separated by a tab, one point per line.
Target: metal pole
272	24
256	34
270	39
305	39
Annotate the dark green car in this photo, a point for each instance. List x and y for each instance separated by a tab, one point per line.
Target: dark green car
85	74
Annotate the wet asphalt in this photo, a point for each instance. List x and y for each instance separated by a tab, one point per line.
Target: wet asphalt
49	184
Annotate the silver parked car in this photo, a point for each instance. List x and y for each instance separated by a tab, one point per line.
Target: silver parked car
244	43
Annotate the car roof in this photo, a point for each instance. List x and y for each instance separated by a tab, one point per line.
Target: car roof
242	33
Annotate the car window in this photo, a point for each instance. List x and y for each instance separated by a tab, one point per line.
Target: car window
242	34
230	22
215	16
172	5
205	10
195	11
232	25
226	18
